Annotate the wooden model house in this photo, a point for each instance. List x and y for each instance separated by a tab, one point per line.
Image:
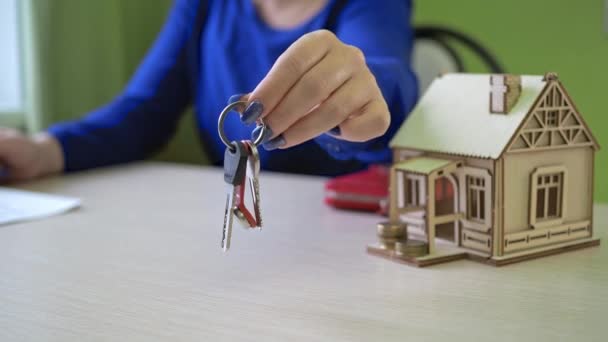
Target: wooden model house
496	168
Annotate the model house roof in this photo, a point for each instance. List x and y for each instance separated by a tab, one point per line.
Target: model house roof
454	117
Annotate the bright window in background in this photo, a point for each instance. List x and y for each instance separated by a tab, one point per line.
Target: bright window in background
11	99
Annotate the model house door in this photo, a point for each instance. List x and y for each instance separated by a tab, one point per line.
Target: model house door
445	204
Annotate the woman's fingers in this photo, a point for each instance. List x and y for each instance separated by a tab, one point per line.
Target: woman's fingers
296	61
312	89
317	84
237	98
372	121
345	109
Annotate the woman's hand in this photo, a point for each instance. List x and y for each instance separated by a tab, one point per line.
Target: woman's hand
23	158
318	85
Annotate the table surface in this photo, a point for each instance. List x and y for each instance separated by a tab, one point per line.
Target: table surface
141	261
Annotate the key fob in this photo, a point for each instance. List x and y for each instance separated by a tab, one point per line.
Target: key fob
235	163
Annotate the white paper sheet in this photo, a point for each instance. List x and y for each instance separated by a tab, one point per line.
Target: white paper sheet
17	205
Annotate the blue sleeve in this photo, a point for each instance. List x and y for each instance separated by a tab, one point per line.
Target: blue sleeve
382	30
143	118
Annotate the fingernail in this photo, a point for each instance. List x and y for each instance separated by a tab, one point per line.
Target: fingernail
274	143
257	131
252	113
235	98
335	131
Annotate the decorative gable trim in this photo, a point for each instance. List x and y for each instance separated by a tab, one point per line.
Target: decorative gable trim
552	123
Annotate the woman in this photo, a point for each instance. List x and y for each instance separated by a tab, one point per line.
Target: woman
330	78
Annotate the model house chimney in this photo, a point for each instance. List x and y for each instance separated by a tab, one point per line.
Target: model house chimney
550	76
505	90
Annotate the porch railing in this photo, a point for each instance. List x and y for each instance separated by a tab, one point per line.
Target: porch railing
541	237
476	240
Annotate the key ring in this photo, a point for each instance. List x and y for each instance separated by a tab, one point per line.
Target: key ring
222	118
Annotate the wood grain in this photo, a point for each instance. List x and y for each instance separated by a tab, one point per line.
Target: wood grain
141	261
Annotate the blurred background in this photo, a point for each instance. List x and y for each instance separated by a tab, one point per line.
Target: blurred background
78	54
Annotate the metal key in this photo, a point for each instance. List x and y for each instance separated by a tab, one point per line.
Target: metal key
235	168
252	174
241	160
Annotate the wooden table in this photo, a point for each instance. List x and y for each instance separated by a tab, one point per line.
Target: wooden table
141	261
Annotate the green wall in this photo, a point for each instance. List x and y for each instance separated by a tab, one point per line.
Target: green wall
89	49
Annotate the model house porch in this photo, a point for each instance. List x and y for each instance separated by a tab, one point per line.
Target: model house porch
442	198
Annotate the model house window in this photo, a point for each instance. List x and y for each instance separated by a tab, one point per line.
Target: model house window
551	119
549	196
547	188
476	198
411	190
412	198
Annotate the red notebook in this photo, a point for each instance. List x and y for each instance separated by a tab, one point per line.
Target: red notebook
364	190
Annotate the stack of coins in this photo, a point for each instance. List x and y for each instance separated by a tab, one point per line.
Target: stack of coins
411	248
390	233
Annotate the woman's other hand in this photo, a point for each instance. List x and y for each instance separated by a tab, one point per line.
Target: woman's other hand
23	158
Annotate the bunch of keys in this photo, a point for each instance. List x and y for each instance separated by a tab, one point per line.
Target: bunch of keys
241	168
